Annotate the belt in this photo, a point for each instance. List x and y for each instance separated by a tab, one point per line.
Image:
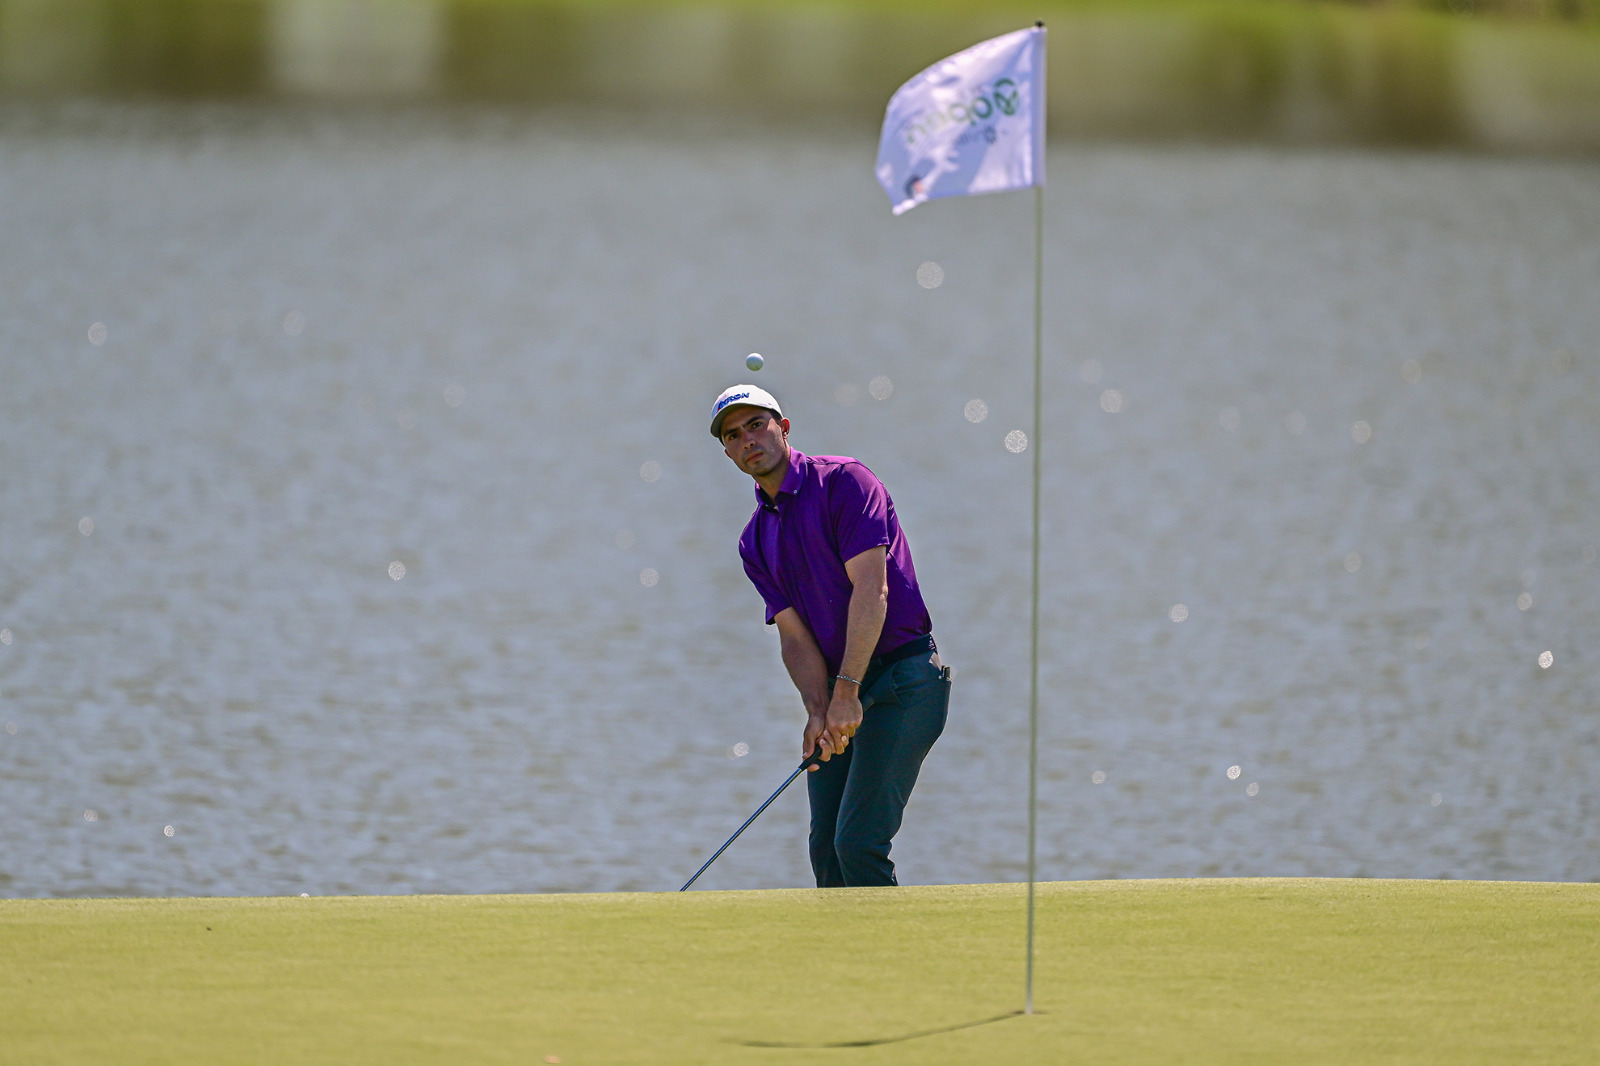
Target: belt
923	645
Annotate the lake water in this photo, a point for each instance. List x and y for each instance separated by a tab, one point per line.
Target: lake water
1344	408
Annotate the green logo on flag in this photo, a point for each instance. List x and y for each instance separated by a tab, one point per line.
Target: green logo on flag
1003	96
1006	101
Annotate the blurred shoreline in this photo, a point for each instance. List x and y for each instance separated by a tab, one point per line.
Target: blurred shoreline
1268	73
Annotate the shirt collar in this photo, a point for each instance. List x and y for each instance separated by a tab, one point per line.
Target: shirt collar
791	480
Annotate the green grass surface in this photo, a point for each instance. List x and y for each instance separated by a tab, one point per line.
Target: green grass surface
1234	971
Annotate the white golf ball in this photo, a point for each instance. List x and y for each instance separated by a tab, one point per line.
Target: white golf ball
754	361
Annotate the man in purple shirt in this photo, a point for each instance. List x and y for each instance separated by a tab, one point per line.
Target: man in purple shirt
825	550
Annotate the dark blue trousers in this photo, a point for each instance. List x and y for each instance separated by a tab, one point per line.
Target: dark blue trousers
859	798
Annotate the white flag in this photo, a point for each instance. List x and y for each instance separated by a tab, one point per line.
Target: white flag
972	123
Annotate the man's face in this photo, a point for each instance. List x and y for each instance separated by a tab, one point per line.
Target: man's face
755	439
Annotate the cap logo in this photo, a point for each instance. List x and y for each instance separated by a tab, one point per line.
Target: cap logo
725	401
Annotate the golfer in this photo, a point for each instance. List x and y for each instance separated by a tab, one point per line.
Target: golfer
825	551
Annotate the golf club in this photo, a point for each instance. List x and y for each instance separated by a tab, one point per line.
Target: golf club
814	759
802	768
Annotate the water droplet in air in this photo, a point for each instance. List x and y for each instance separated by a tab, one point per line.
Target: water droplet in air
454	394
1234	772
86	525
1361	432
1091	371
1411	371
1228	418
1251	789
880	387
397	570
1524	602
650	471
930	275
294	323
167	830
1421	641
1352	562
739	750
1435	799
97	334
1111	401
648	577
5	636
305	895
91	815
11	728
1178	613
975	411
1545	659
1098	777
1016	442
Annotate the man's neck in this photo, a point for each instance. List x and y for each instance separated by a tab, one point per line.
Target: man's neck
771	483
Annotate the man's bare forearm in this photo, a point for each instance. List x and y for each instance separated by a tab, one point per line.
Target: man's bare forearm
869	605
808	670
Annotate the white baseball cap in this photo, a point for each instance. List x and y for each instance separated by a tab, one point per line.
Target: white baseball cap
735	395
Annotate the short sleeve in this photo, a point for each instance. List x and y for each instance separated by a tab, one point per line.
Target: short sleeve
771	594
859	506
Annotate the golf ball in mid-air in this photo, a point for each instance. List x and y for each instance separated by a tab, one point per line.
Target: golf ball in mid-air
754	361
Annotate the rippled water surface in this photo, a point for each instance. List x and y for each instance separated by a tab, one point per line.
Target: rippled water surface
358	521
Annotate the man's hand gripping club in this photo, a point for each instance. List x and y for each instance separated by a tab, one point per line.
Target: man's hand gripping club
833	718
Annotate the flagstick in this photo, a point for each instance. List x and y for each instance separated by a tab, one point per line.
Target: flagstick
904	150
1038	467
1033	680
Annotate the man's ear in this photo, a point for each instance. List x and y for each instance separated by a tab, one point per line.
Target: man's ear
784	423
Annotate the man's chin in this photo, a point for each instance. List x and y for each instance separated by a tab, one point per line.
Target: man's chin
760	466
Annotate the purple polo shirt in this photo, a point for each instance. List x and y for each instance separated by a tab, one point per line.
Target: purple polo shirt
829	509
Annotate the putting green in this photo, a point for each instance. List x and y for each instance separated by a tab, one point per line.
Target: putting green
1235	971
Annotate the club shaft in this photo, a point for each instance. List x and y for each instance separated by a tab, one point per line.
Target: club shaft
798	771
